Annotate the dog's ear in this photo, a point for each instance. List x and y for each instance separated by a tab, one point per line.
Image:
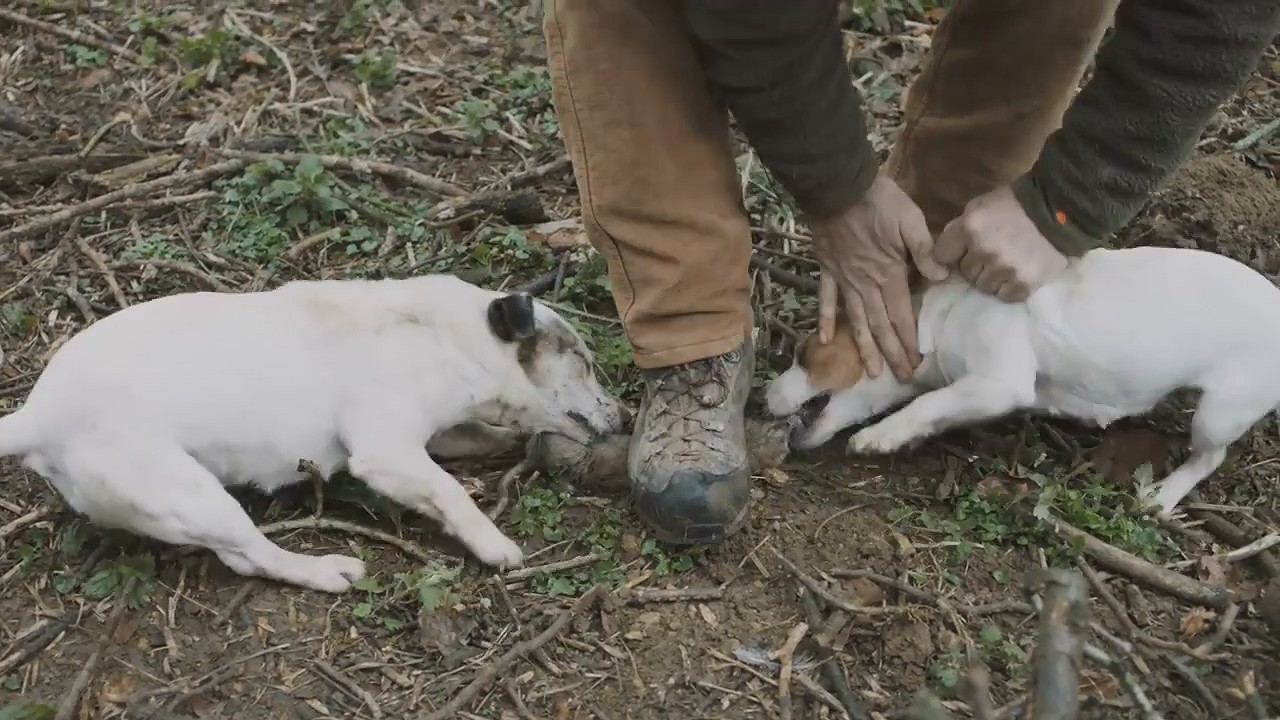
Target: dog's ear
511	317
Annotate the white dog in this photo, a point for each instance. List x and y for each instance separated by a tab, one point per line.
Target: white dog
1110	337
142	418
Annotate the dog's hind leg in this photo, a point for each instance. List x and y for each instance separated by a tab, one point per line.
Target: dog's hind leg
1226	411
160	491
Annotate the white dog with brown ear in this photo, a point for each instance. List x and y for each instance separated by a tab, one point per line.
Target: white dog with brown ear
1110	337
142	418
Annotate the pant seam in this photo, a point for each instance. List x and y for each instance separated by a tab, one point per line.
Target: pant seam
736	337
589	205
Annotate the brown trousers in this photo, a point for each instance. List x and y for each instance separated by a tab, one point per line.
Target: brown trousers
653	157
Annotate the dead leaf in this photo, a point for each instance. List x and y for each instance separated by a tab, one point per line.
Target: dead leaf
253	57
1102	684
1125	449
117	688
559	234
866	591
342	89
202	706
775	476
125	630
96	78
1211	570
1195	621
707	616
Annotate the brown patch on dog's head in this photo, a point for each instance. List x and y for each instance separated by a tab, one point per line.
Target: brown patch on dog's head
832	367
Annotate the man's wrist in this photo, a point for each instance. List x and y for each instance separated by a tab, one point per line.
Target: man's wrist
841	194
1053	221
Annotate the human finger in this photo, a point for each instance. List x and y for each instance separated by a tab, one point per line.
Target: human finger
919	242
971	265
897	302
886	337
952	243
1012	290
992	277
828	299
867	348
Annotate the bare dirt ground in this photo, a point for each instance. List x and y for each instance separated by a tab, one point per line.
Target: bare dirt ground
222	142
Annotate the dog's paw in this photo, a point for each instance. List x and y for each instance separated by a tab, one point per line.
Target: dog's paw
497	550
882	438
334	573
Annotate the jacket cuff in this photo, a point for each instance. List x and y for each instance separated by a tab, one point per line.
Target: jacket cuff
825	200
1053	222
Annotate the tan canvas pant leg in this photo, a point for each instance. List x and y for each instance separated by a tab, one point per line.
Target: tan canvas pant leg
654	165
997	80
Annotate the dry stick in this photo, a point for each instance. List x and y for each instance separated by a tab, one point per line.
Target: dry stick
1118	560
1125	679
509	478
1254	548
71	699
992	608
1131	628
828	663
350	686
100	264
786	277
570	564
177	266
149	204
1228	532
491	672
129	192
654	595
830	598
317	523
1058	657
786	655
69	34
31	518
357	165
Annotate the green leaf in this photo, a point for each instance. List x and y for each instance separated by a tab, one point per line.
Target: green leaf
296	215
310	167
63	582
430	596
72	539
102	583
26	711
368	584
362	610
990	635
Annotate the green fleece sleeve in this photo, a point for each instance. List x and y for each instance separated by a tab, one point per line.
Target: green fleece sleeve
779	66
1157	82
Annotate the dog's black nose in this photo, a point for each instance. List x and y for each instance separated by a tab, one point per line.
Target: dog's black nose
581	421
812	409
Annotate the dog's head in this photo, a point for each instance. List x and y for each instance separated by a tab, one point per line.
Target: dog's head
819	375
555	387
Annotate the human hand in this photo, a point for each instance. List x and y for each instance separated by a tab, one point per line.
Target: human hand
998	248
863	255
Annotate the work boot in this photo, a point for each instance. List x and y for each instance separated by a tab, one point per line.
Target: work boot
688	461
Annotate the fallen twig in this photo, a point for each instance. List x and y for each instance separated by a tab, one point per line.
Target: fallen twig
1229	533
1256	136
655	595
71	34
358	165
785	656
100	264
1118	560
509	478
1254	548
1126	680
827	662
130	192
70	702
1056	662
786	277
535	570
31	518
491	672
830	598
991	608
320	523
348	685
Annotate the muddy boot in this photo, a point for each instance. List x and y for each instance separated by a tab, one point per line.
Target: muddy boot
688	462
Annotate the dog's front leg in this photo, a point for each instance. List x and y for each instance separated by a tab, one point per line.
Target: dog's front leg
405	473
970	399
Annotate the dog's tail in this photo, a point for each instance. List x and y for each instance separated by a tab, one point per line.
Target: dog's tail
17	436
